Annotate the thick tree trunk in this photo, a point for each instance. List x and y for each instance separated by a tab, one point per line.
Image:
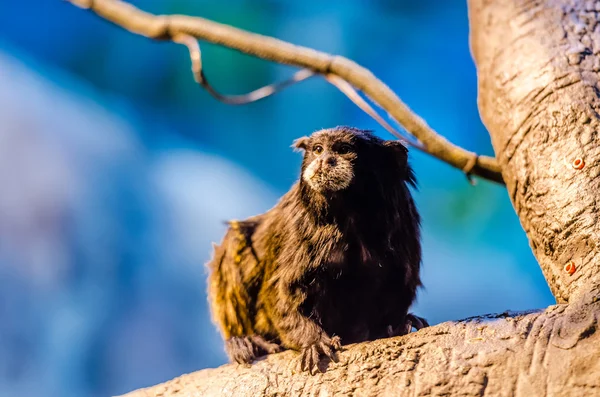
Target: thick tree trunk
539	96
538	64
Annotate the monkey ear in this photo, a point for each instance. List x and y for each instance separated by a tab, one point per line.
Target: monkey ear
399	157
301	143
398	148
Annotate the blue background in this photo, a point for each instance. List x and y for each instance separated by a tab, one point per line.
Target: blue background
117	170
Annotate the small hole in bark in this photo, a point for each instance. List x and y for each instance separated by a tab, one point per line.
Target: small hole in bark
570	267
578	163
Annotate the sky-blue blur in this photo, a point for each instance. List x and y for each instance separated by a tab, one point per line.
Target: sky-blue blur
117	172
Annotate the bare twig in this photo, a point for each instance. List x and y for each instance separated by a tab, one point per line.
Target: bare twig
167	27
346	88
196	57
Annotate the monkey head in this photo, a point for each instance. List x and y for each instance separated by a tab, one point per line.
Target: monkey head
340	158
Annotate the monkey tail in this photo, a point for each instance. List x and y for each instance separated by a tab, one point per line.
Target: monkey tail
229	298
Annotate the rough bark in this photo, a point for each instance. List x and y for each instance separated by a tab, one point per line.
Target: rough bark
538	66
552	352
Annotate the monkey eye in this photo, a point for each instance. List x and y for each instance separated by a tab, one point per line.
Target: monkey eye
318	149
344	148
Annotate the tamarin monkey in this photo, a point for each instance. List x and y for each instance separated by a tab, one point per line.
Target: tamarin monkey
335	261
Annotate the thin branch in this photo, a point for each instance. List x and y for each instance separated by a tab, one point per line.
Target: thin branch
346	88
196	57
167	27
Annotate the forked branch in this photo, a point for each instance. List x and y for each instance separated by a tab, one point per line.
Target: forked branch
336	68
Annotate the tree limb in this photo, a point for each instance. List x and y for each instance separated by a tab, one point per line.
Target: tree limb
543	353
196	57
167	27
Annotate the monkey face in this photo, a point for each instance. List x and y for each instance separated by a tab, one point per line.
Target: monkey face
329	159
336	159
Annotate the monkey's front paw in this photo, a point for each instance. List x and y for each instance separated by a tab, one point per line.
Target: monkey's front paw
310	356
265	346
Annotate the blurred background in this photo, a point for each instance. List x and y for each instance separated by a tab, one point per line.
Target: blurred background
117	172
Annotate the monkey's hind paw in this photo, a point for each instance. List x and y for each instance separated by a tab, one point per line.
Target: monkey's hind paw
310	356
245	349
411	321
240	349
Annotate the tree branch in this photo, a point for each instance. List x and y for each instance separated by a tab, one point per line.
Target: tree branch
551	352
167	27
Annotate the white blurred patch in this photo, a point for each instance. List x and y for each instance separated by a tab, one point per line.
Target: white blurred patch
204	191
47	136
84	208
50	143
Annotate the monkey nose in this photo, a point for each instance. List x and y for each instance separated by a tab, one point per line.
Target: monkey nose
330	160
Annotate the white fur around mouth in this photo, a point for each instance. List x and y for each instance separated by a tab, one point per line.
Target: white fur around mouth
337	178
311	173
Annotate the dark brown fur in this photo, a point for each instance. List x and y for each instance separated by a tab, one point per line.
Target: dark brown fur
335	261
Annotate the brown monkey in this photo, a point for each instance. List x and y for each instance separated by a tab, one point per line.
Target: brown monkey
336	260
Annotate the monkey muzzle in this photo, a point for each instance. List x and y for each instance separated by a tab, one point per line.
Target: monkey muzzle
328	174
